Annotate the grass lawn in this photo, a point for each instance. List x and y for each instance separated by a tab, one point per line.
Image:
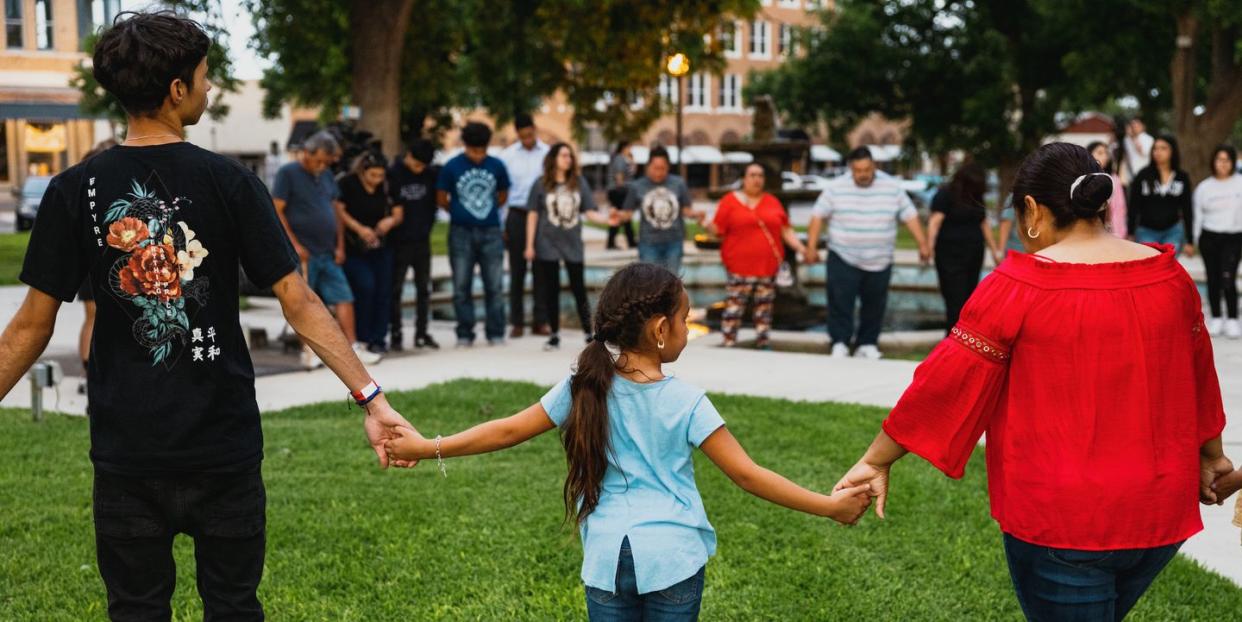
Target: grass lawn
12	252
350	542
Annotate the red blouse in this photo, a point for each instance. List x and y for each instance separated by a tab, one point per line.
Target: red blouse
744	248
1096	386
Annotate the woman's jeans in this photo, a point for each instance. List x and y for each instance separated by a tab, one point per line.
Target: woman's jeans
370	278
1068	585
1175	235
677	603
667	254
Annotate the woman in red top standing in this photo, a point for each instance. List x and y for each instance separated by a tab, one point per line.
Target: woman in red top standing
751	224
1088	365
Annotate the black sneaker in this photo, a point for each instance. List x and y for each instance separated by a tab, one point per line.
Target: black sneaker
425	341
377	348
396	343
554	343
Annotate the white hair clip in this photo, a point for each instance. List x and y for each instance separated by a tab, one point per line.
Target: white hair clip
1074	186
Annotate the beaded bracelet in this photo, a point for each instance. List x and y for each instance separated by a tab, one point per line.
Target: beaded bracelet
439	459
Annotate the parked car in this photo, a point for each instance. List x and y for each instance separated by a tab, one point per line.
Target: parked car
28	201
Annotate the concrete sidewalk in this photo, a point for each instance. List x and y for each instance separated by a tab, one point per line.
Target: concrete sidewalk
810	377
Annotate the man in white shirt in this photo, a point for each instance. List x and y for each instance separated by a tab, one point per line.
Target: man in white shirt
524	160
1138	147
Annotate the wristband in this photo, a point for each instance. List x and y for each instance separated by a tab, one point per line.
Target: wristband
363	396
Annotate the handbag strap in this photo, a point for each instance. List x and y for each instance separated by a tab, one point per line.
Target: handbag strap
764	228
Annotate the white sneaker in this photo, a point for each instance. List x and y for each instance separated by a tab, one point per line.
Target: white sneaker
309	360
1233	329
840	351
1216	326
366	356
870	352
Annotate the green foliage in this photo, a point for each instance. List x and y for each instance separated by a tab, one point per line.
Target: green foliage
12	253
347	541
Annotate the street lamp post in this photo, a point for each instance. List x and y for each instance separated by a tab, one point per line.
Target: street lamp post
678	65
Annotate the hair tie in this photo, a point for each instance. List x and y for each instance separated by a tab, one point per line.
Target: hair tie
1074	186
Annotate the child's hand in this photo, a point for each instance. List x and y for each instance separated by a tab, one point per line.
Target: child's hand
1226	485
406	444
849	504
1211	470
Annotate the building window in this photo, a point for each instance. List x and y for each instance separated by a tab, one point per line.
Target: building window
43	25
94	14
787	39
13	23
698	92
730	92
814	4
668	89
760	39
791	4
731	40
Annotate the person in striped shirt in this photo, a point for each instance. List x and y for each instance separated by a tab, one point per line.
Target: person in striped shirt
863	210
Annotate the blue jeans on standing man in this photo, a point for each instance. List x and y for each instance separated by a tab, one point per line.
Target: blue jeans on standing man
370	278
676	603
1174	235
484	247
1069	585
846	284
667	254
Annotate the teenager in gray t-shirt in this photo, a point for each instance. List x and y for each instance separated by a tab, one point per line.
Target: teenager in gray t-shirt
664	202
559	201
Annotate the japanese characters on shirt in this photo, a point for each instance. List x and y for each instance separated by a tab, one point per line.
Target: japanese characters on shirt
155	273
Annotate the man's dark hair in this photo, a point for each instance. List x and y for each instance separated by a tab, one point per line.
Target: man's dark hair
422	150
476	134
522	121
142	53
858	153
659	152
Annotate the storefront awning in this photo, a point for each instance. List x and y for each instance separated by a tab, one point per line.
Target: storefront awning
41	112
594	158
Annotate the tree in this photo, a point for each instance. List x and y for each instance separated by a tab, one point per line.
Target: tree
1207	97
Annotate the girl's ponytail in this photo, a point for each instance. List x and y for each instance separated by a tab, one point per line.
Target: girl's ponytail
632	296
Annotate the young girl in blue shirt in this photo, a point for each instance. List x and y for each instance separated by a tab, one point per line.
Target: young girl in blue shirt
628	432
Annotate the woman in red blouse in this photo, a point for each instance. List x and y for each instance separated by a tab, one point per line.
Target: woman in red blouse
1088	365
752	225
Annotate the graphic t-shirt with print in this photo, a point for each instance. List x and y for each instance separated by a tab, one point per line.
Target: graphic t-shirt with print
558	236
160	232
472	190
416	194
660	205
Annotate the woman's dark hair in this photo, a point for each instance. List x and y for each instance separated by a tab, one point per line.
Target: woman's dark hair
476	134
1229	152
549	168
635	294
659	152
1048	174
142	53
1112	160
967	187
368	160
621	145
1175	159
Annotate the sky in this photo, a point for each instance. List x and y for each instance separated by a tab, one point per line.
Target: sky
247	65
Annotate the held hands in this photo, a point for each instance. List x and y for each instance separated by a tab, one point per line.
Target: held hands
925	253
406	444
1226	485
864	474
1215	476
381	424
847	505
811	255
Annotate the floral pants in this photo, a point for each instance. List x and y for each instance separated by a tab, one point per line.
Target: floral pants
763	291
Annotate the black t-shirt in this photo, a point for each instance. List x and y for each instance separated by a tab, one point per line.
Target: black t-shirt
416	193
962	220
160	232
368	208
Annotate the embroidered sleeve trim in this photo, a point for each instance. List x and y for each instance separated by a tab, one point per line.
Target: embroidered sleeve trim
980	345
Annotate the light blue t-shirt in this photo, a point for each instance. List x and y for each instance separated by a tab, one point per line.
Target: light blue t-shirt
648	492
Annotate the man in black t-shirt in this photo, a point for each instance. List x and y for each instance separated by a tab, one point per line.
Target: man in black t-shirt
412	184
159	227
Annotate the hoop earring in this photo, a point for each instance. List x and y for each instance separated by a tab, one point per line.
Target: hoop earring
1032	235
660	345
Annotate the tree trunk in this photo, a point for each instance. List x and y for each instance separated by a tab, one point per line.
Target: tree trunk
1198	134
379	28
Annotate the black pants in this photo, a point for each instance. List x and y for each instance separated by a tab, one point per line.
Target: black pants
1221	254
848	284
136	519
550	274
957	265
406	255
616	196
515	244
